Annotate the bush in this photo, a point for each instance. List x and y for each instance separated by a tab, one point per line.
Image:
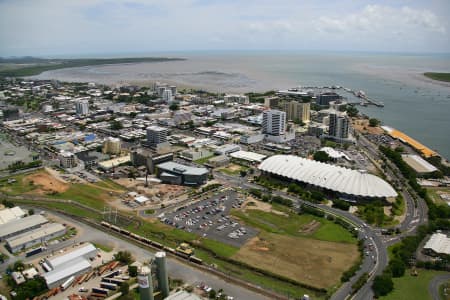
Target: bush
397	268
124	257
341	204
133	271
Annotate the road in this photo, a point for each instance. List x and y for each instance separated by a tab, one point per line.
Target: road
433	286
176	268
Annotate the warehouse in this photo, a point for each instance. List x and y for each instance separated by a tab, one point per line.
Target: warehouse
69	268
11	214
175	173
248	156
348	183
36	236
19	226
86	251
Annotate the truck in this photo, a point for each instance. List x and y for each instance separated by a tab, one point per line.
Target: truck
100	291
34	251
109	286
67	283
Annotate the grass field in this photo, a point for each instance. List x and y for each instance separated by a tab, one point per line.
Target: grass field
438	76
316	263
203	160
290	223
434	194
412	287
233	169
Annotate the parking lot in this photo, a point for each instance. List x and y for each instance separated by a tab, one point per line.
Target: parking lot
210	218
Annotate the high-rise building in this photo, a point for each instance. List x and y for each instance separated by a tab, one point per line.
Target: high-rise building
67	159
296	110
82	107
271	102
274	122
339	126
112	145
156	135
167	95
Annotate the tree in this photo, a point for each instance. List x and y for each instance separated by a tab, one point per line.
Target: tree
124	288
397	267
374	122
212	294
352	111
174	107
124	257
116	125
382	285
132	270
321	156
31	212
243	173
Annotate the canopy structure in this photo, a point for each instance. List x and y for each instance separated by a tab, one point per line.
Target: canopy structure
334	178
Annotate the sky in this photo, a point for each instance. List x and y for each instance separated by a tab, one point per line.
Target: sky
95	27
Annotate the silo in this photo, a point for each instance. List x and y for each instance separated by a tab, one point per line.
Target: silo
161	273
145	283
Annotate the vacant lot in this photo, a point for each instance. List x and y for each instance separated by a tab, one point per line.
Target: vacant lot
233	169
436	194
316	263
45	183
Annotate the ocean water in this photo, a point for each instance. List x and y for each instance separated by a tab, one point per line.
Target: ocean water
414	104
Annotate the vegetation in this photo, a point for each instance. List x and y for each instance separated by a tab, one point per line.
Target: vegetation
174	107
28	289
352	111
133	271
124	257
103	247
321	156
374	122
438	76
116	125
42	65
382	285
124	288
20	165
373	213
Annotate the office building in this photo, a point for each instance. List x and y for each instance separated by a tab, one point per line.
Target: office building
82	107
156	135
324	99
271	102
112	146
167	96
297	111
175	173
67	159
339	126
274	122
241	99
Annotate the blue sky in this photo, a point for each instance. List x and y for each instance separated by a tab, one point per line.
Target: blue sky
85	27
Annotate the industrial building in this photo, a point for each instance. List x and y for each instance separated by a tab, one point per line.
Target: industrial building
438	244
348	183
36	236
175	173
11	214
153	279
86	251
62	272
248	156
19	226
145	157
227	149
420	165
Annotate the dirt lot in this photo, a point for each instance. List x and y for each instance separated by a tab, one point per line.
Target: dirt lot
362	125
252	203
316	263
46	183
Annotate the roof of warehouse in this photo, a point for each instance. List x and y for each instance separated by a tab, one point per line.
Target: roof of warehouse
67	269
21	224
328	176
439	243
177	168
44	230
247	155
80	251
10	214
419	164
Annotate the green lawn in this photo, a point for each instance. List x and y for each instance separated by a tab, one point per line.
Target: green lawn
292	224
438	76
103	247
203	160
18	187
412	287
84	194
231	172
432	192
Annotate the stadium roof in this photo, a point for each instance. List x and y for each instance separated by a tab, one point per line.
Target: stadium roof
339	179
439	243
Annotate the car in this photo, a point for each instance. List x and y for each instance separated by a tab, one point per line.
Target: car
82	289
